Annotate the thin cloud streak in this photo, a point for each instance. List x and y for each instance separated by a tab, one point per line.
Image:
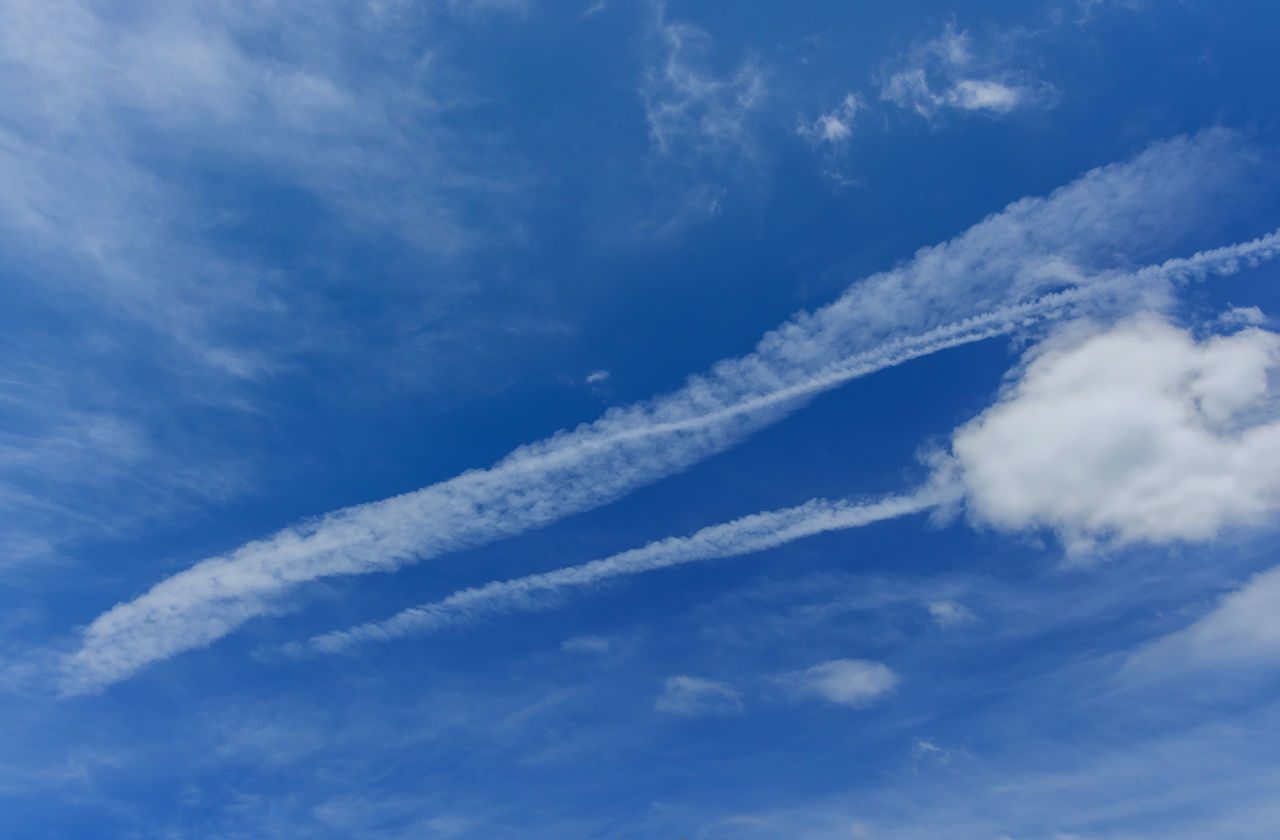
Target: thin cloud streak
747	535
766	530
1004	274
214	597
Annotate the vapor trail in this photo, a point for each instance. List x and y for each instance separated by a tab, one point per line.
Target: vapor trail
747	535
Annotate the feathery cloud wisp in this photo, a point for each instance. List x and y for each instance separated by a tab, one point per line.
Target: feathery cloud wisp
1243	629
834	127
691	110
1001	275
944	72
741	536
136	142
690	696
946	613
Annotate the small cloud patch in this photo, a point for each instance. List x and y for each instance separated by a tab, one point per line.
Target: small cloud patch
949	613
846	682
691	696
587	645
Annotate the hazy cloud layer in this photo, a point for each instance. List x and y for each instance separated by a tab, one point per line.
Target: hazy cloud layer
1242	630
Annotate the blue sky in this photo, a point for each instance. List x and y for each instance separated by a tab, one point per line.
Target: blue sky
506	419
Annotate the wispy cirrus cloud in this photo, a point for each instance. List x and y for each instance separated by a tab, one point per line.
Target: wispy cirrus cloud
989	281
1210	779
950	72
587	644
691	109
829	134
138	151
1241	630
947	613
702	123
1086	9
96	93
691	696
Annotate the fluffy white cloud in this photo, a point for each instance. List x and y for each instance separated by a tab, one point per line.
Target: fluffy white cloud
691	696
1136	433
848	682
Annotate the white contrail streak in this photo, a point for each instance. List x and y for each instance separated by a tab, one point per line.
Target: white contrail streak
747	535
1038	259
773	528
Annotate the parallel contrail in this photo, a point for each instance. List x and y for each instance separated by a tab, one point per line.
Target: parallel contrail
730	539
769	529
1001	275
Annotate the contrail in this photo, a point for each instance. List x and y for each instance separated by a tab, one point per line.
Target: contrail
747	535
771	529
204	603
1039	259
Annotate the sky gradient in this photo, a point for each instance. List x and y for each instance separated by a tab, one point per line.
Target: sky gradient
506	419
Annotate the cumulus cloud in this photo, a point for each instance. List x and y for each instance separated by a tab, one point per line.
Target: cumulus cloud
946	73
691	696
846	682
1041	258
1240	316
1134	433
